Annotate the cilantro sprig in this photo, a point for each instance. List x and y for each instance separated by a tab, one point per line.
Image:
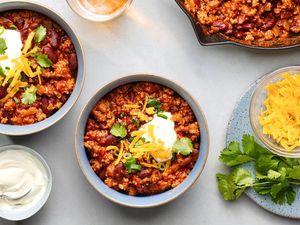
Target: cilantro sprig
274	175
29	96
184	146
118	130
40	34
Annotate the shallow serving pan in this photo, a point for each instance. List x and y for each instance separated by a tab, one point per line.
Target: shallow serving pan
221	39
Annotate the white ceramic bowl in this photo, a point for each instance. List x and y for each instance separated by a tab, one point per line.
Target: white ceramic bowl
26	212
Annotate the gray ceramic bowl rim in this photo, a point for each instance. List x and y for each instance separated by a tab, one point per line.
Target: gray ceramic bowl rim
144	201
16	130
35	208
259	82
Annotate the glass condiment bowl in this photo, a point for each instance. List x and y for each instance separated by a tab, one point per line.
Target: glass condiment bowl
77	7
256	107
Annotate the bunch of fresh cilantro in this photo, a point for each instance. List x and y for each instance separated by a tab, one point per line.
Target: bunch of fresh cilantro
274	175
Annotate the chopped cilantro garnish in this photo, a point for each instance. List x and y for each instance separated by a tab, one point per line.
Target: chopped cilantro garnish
29	96
160	114
3	46
118	130
184	146
131	165
40	34
43	60
136	121
13	27
154	103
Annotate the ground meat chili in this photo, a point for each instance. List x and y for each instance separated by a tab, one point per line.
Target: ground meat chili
48	69
254	22
113	156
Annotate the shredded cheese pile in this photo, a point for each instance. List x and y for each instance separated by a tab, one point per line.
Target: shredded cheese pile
20	65
281	117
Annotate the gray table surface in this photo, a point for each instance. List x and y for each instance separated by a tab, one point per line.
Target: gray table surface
153	36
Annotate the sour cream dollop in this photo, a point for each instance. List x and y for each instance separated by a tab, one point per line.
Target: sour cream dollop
164	133
21	171
14	46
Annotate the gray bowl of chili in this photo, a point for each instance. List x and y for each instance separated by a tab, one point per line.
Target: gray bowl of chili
58	53
85	125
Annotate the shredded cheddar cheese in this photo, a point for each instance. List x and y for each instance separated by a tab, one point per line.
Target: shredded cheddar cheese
27	44
145	104
120	153
281	117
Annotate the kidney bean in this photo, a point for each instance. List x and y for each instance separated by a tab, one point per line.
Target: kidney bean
174	109
186	161
144	173
24	33
229	29
3	92
64	98
45	104
50	52
240	35
222	26
34	25
4	113
73	61
247	26
20	23
111	140
54	39
269	24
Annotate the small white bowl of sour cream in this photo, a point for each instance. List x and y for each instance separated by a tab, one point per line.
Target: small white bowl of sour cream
25	182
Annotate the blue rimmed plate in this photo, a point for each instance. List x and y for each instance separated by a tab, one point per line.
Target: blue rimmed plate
238	126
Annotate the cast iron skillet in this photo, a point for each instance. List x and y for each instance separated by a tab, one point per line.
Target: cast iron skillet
221	39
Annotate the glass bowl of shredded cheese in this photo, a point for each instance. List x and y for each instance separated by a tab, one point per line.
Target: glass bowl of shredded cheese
275	111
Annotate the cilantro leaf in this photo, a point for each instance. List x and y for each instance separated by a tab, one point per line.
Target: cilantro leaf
248	145
264	163
3	46
290	196
29	96
294	173
43	61
231	186
273	175
233	156
227	187
184	146
40	34
242	177
136	121
131	165
118	130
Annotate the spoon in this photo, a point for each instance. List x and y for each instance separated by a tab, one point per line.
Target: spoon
16	197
